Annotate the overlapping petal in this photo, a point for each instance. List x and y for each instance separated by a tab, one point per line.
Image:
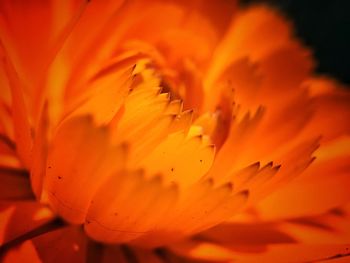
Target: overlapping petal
176	131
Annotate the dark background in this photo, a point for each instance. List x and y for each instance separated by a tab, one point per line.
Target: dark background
323	25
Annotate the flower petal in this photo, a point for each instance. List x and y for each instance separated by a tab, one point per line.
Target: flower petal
129	214
22	130
181	156
316	189
250	34
68	244
12	215
78	152
14	185
23	253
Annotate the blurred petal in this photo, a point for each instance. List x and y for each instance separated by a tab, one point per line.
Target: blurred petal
63	245
14	184
323	186
250	34
12	214
22	130
23	253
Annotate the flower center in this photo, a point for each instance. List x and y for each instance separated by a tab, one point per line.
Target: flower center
134	175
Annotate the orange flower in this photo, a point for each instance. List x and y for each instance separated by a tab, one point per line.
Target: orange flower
167	131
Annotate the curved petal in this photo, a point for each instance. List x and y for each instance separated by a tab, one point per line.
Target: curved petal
79	151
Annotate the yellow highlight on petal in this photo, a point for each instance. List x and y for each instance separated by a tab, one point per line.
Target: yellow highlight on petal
42	213
211	252
335	149
5	217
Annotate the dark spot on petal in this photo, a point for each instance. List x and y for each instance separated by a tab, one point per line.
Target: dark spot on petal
59	177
